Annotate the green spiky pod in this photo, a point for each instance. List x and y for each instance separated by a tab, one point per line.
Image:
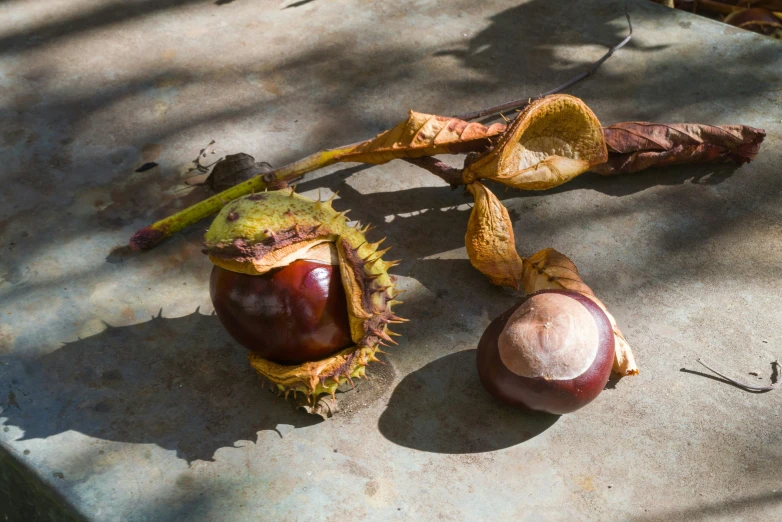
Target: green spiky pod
261	232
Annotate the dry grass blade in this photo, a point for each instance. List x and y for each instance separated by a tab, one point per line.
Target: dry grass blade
520	104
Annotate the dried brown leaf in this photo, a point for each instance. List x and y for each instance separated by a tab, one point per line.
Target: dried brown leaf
423	135
489	240
635	146
555	139
550	269
757	19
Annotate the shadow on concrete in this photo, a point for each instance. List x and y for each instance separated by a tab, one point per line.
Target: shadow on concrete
732	509
84	20
749	385
298	4
430	214
181	383
523	46
442	408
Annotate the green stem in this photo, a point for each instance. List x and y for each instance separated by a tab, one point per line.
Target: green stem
152	235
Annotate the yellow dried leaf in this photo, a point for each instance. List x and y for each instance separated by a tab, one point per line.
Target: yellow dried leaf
421	135
554	140
550	269
489	240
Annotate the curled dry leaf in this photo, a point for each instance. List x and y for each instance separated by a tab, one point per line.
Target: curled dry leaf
423	135
550	269
554	140
489	239
635	146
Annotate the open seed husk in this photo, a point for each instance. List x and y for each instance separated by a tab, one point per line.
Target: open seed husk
554	140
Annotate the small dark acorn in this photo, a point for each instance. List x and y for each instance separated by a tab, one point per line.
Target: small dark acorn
551	352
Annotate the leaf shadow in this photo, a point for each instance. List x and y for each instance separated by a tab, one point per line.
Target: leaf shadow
181	383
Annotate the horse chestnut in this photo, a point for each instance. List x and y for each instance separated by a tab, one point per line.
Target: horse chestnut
302	288
288	315
551	352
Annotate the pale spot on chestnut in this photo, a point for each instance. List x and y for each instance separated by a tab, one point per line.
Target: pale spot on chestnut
551	352
551	336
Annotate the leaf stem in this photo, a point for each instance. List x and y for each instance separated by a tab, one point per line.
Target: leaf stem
450	175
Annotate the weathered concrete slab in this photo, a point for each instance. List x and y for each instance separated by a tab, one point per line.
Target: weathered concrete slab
128	417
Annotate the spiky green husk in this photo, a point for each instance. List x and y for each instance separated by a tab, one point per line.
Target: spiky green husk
260	232
324	376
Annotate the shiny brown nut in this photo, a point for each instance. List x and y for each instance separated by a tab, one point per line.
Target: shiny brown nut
289	315
551	352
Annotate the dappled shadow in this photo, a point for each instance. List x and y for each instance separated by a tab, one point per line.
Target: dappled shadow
77	128
520	46
523	47
181	383
50	124
443	408
80	21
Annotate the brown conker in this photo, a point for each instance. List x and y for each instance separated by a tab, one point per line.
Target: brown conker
289	315
551	352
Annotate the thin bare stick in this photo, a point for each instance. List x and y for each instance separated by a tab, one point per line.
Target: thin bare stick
521	103
748	387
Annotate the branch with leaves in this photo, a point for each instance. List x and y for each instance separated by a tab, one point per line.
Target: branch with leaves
553	140
631	147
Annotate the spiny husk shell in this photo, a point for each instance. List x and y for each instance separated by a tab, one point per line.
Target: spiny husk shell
550	269
489	240
325	376
260	232
554	140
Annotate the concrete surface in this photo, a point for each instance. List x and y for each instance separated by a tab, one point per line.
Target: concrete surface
118	416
